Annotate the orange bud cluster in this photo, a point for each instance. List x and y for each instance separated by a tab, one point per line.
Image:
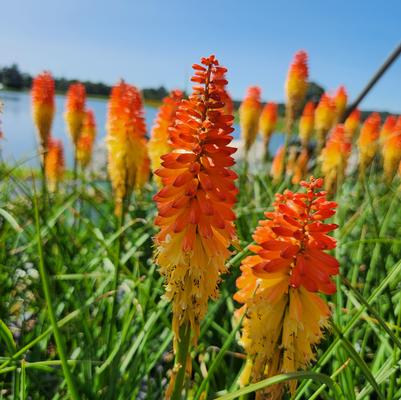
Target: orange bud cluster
324	118
334	157
249	113
128	163
54	164
86	139
277	167
351	124
279	283
195	204
159	143
300	167
75	110
340	100
368	140
392	151
307	123
43	105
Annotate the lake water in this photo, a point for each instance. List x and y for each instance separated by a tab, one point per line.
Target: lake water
19	143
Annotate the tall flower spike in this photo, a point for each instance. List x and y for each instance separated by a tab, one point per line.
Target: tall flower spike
307	123
75	110
285	317
340	100
43	105
392	152
368	141
195	204
249	113
128	162
351	124
267	123
296	86
159	143
300	167
277	167
86	139
334	158
54	164
324	118
387	128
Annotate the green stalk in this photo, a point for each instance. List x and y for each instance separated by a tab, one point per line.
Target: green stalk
181	360
52	315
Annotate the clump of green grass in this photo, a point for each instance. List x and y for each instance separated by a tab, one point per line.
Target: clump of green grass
81	243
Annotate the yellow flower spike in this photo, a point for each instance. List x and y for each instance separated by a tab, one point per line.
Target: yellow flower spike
307	123
268	122
159	143
340	100
249	113
368	141
43	106
334	158
296	87
351	124
128	163
86	139
54	164
324	119
392	152
75	110
279	284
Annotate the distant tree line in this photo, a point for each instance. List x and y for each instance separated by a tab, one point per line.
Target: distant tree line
12	78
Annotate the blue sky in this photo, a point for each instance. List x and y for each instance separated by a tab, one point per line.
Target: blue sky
152	43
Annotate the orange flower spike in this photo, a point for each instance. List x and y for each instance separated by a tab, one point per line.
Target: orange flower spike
340	100
249	113
75	110
334	157
387	128
54	164
392	152
86	139
128	163
306	123
368	140
277	167
268	121
296	87
43	105
159	144
324	118
279	284
301	167
195	204
351	124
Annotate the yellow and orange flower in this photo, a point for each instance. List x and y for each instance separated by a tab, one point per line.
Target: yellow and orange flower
351	124
368	140
195	204
387	128
277	167
268	122
159	143
334	157
54	164
86	139
392	152
324	118
301	167
249	113
128	162
307	123
285	317
340	100
75	110
43	105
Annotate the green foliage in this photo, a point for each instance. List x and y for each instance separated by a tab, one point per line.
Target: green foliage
82	243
